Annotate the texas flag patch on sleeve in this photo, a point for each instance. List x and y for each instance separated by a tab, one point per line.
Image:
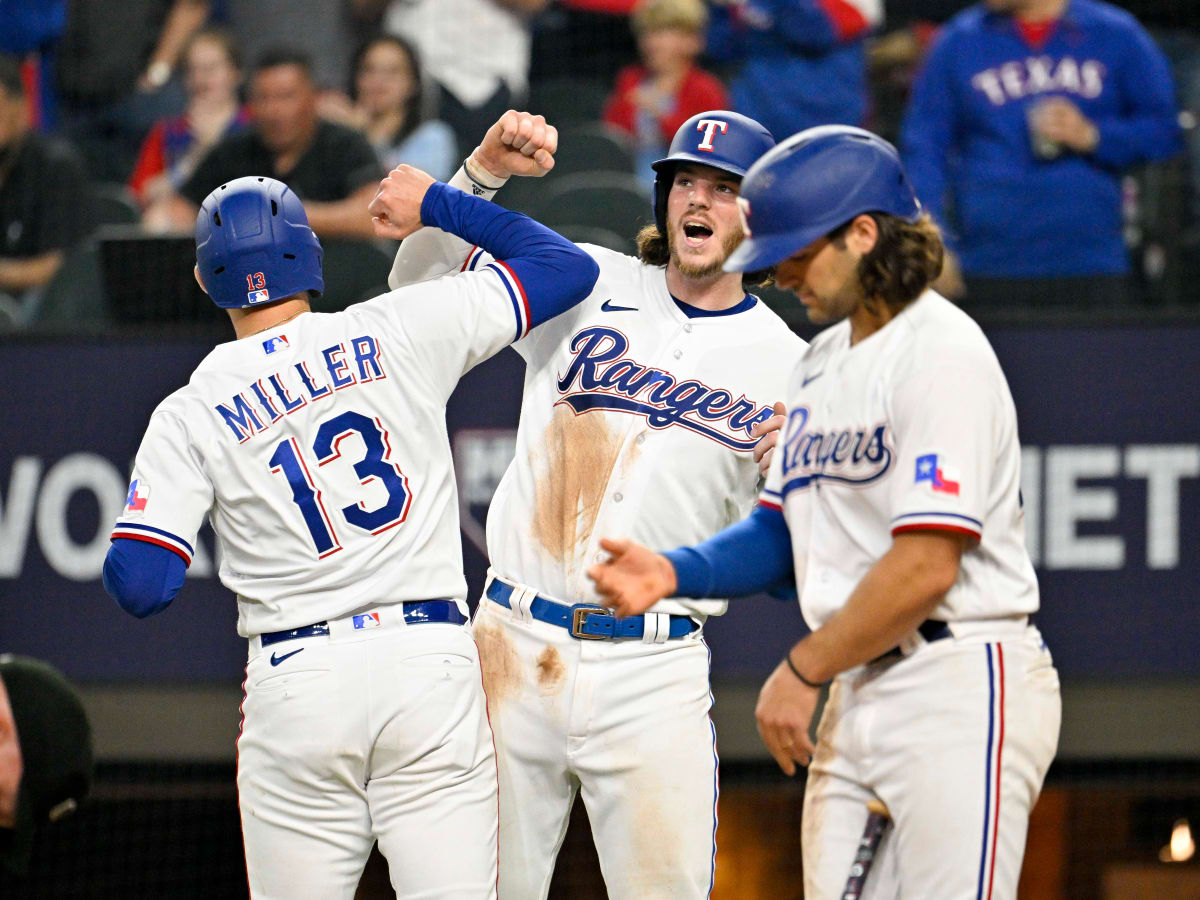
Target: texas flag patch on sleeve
139	493
941	478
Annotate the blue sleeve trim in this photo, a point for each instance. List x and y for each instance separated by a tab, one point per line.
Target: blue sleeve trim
551	273
752	556
142	577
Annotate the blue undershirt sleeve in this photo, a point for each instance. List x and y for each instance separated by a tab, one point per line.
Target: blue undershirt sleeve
553	273
752	556
142	577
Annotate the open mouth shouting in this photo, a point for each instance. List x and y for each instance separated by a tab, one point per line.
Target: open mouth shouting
695	232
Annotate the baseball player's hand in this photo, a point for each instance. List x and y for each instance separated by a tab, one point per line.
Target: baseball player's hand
768	436
518	144
396	209
784	712
1058	119
633	579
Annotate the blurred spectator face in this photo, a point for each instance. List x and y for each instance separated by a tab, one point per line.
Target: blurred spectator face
385	79
669	49
703	225
1005	6
284	103
13	117
211	73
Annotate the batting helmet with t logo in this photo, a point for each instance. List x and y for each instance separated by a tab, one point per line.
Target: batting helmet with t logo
722	139
813	183
254	245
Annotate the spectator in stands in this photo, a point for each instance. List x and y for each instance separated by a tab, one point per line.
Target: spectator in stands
41	186
799	63
476	51
1018	130
386	97
652	99
176	145
331	167
115	62
45	754
30	30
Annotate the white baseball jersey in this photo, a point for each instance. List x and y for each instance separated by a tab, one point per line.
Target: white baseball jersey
911	428
319	448
635	421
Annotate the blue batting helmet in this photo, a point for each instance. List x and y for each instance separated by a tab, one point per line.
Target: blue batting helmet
813	183
722	139
253	244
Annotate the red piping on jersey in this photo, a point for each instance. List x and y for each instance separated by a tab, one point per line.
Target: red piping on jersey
521	290
848	21
999	752
187	560
930	526
470	253
776	506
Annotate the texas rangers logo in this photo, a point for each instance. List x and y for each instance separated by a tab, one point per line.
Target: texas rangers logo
852	456
139	493
709	127
600	377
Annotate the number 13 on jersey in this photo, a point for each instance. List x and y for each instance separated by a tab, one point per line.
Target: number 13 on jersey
289	460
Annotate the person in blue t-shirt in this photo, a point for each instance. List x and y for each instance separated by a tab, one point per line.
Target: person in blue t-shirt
1021	123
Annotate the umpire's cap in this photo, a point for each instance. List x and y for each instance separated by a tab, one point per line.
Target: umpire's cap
719	138
56	752
813	183
253	244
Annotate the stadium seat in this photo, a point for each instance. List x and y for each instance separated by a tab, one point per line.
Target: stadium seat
564	101
353	269
592	146
110	203
75	296
617	202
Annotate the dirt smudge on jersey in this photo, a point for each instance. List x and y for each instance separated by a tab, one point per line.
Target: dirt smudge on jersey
579	455
551	672
500	663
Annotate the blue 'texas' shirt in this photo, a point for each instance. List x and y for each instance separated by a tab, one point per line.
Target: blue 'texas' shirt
966	135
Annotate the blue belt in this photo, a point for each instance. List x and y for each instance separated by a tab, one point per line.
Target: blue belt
416	613
586	621
931	629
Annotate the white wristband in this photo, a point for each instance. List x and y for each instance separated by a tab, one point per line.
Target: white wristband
480	177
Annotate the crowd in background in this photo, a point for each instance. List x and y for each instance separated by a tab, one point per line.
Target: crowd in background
1046	137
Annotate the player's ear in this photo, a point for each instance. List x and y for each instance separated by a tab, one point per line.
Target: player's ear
862	234
199	280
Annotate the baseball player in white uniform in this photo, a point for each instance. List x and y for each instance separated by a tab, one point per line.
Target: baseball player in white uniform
641	414
894	497
317	446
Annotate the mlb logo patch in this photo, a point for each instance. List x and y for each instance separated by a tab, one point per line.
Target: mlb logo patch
262	296
930	468
367	620
270	345
139	493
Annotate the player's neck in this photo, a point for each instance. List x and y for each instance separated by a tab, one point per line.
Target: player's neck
249	322
1041	10
866	320
721	290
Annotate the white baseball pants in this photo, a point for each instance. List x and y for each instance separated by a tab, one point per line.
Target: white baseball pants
364	735
956	740
625	723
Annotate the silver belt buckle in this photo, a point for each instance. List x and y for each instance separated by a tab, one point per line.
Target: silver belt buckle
579	614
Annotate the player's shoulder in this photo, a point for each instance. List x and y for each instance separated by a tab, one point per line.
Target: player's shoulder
972	21
938	333
609	259
773	327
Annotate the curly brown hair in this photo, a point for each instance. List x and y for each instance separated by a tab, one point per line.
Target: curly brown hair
652	249
906	259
